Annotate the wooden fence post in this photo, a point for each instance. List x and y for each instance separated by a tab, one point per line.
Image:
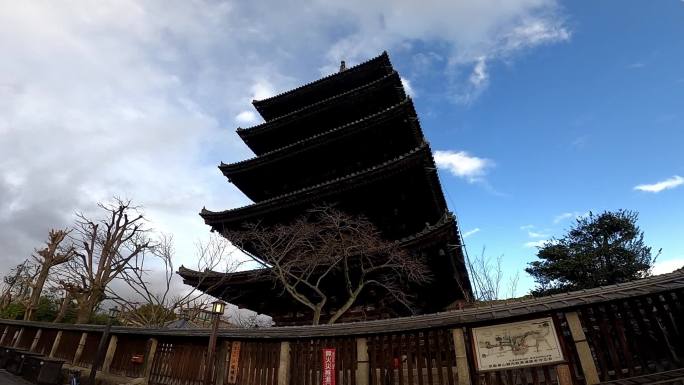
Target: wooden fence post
462	368
55	344
149	359
583	351
111	349
36	338
284	364
221	358
362	368
17	337
563	372
79	349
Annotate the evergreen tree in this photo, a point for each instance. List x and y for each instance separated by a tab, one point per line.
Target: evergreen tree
598	250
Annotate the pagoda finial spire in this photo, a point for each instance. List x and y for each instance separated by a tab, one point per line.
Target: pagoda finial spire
343	66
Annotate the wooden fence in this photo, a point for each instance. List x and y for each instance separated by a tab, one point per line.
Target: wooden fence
630	333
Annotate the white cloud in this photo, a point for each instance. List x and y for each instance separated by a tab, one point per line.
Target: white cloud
534	234
568	215
539	243
662	185
667	266
262	89
479	76
247	117
463	165
476	33
138	98
526	227
407	87
471	232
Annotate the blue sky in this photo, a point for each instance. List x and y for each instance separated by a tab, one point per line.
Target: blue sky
571	127
543	110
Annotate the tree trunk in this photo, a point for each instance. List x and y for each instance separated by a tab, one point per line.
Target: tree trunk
346	305
317	315
86	308
30	313
83	313
63	308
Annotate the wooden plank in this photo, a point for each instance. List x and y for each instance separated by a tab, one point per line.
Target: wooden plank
373	360
439	364
449	355
609	340
594	338
647	345
563	373
428	356
619	328
421	357
586	359
397	357
535	375
664	342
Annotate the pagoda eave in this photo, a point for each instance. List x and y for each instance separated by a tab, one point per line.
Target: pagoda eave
246	288
271	107
324	114
228	169
419	158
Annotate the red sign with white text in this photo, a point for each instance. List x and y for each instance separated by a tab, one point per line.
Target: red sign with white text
329	366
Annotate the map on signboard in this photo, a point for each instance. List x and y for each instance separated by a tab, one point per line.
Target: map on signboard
526	343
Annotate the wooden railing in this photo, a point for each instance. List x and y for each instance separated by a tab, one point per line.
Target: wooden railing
612	333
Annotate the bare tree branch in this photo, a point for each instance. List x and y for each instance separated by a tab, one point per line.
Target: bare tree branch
326	247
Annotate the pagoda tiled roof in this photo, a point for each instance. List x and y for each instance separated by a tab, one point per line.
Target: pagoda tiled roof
322	137
273	123
382	59
445	222
313	192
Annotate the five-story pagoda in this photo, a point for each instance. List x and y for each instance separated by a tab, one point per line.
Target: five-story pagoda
352	138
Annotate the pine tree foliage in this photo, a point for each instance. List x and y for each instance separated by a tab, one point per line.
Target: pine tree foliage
598	250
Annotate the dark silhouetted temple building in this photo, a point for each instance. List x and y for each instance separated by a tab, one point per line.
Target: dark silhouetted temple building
353	139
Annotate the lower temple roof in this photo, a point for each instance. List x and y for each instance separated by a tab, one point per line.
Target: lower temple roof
250	288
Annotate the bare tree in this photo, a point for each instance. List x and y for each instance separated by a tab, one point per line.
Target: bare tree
105	247
53	254
17	284
249	320
487	278
155	303
325	247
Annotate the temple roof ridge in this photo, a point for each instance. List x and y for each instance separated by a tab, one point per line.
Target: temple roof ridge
266	125
264	156
424	146
382	56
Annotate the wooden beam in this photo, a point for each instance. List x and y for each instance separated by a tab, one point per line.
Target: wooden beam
362	368
55	344
462	367
36	338
17	337
149	359
111	349
221	361
582	346
284	364
79	349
